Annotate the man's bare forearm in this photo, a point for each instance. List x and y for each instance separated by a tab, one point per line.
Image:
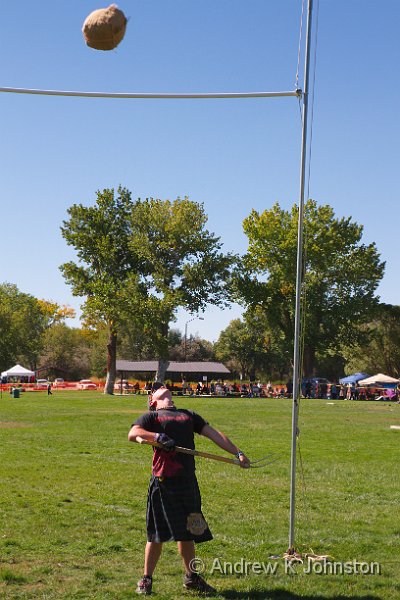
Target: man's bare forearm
220	439
137	431
225	443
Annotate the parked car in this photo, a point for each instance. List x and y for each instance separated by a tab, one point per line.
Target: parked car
124	384
41	384
315	380
59	382
87	384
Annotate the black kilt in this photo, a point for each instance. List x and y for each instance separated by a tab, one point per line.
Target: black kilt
174	511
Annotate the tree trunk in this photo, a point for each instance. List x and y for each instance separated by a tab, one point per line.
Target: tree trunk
243	371
111	363
163	355
163	364
308	361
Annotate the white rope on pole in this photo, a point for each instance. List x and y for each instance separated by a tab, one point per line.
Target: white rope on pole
165	96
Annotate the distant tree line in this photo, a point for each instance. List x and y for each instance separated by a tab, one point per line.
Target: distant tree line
247	346
138	261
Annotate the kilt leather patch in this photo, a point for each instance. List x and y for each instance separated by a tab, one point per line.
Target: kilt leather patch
196	523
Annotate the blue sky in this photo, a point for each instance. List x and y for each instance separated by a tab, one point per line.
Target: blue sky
233	155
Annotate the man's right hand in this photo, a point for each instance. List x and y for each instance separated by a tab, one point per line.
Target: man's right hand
244	461
167	443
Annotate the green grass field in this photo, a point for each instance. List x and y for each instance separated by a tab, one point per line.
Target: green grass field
73	497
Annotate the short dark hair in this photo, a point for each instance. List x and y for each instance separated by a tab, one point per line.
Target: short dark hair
156	386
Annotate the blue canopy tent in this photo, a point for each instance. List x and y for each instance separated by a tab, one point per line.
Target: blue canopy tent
353	378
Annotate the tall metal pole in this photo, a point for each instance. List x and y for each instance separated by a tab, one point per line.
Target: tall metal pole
185	338
299	274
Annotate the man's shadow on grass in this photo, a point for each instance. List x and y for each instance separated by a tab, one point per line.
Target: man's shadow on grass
279	594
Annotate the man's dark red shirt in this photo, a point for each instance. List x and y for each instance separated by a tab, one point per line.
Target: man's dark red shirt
180	425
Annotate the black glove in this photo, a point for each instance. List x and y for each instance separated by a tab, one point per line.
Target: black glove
168	443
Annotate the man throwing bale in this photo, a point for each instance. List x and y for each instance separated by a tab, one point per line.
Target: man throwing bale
174	501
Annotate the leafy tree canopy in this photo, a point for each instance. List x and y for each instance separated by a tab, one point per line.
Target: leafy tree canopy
182	264
180	259
100	235
23	321
250	348
65	353
139	261
380	351
341	275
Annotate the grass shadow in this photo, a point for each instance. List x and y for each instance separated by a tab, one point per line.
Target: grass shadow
280	594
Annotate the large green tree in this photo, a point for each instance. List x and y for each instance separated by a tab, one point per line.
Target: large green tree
249	348
66	352
23	322
100	235
239	346
181	264
138	262
193	348
341	275
380	351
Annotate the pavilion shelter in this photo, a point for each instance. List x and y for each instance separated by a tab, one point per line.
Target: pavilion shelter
176	371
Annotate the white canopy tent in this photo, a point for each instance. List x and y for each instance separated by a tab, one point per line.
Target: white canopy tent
378	379
18	371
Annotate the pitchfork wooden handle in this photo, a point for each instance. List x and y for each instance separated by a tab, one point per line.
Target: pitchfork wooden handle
232	461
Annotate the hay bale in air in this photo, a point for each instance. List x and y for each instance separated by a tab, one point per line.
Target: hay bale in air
104	28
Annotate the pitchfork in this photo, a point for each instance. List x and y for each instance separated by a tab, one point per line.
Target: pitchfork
254	464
